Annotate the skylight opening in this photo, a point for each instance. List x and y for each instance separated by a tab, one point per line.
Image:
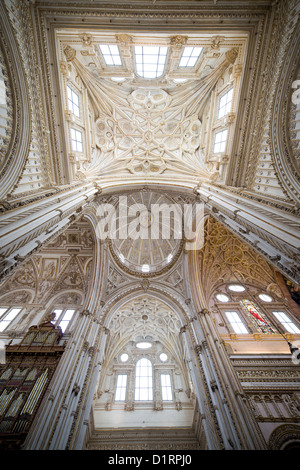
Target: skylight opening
236	288
143	345
150	60
145	268
190	55
118	79
222	298
265	298
110	54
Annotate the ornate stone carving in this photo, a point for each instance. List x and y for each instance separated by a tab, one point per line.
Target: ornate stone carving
124	39
70	53
178	41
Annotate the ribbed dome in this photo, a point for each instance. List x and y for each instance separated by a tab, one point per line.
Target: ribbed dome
153	226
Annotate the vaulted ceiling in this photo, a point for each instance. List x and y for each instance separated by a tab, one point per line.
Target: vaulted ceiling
135	125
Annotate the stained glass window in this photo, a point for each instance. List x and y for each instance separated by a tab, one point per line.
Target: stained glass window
257	317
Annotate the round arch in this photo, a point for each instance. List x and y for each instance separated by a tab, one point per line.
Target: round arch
18	147
285	437
170	298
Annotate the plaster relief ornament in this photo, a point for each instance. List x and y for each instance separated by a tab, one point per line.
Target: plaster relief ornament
148	131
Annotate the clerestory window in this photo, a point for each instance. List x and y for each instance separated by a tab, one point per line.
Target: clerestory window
7	315
120	394
150	60
111	54
225	103
166	387
73	101
189	56
286	322
220	141
76	139
143	380
63	318
236	323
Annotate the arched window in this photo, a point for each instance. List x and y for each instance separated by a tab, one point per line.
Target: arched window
143	380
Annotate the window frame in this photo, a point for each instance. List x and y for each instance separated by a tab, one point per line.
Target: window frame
240	318
61	315
70	100
158	67
167	387
221	131
149	388
76	141
121	389
284	323
111	55
190	56
3	315
225	93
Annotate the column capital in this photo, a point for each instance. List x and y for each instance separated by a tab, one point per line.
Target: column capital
204	311
85	312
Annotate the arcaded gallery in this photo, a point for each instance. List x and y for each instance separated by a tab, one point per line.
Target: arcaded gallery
149	225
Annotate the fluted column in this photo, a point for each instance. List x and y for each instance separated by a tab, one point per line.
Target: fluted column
53	423
237	422
63	414
208	421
